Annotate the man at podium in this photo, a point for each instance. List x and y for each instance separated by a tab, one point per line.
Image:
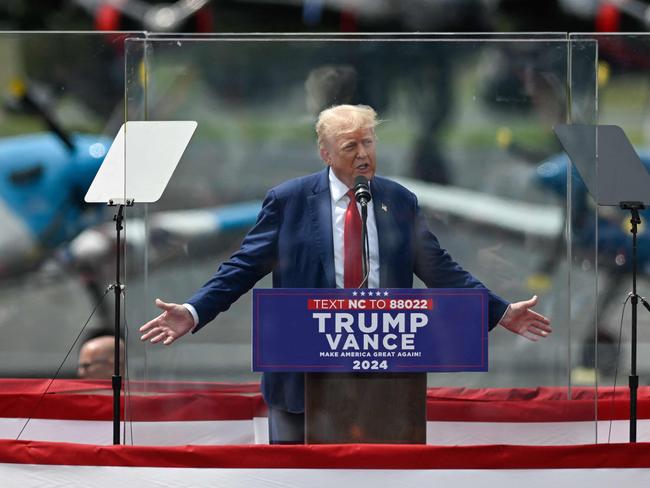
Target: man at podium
308	235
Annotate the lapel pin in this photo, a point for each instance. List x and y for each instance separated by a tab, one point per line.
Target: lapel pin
384	207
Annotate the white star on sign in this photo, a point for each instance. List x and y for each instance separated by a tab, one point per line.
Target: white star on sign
354	293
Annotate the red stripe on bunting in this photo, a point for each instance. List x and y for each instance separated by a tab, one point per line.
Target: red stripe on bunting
161	408
12	386
352	456
184	401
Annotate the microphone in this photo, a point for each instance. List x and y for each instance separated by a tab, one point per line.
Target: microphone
362	190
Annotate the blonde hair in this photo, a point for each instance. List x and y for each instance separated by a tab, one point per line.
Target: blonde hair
343	119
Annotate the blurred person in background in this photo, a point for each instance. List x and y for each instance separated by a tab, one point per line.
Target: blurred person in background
97	358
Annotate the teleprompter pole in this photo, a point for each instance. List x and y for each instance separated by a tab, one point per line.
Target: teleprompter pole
635	219
118	218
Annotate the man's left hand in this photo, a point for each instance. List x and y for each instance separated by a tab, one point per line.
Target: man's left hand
520	319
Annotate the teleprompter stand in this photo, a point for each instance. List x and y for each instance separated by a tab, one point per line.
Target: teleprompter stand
138	167
116	380
614	176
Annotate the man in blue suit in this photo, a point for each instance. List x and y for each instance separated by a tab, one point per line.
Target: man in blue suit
299	237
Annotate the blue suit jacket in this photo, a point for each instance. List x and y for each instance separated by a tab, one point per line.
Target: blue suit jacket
293	239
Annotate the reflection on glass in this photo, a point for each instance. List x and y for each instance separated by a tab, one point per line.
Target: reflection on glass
466	125
620	78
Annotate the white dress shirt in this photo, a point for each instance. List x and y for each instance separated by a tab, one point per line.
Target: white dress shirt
340	202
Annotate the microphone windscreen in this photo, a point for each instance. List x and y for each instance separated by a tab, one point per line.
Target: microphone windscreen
360	181
362	190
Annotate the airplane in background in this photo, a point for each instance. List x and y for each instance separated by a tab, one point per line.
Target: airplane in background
610	229
603	233
607	231
43	179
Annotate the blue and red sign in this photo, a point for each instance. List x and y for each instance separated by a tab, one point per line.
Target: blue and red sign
382	330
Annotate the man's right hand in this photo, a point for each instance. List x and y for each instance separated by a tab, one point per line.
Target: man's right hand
174	322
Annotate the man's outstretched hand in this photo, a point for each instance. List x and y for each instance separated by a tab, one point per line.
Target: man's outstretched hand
520	319
174	322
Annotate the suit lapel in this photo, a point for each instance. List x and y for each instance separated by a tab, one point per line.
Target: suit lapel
320	209
385	228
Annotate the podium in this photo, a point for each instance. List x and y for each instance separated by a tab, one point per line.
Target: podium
365	354
361	408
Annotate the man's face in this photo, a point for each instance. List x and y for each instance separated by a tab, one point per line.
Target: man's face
351	155
94	364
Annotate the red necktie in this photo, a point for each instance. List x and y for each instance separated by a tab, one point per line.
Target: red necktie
352	245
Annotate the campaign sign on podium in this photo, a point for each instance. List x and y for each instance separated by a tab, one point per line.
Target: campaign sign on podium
370	330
